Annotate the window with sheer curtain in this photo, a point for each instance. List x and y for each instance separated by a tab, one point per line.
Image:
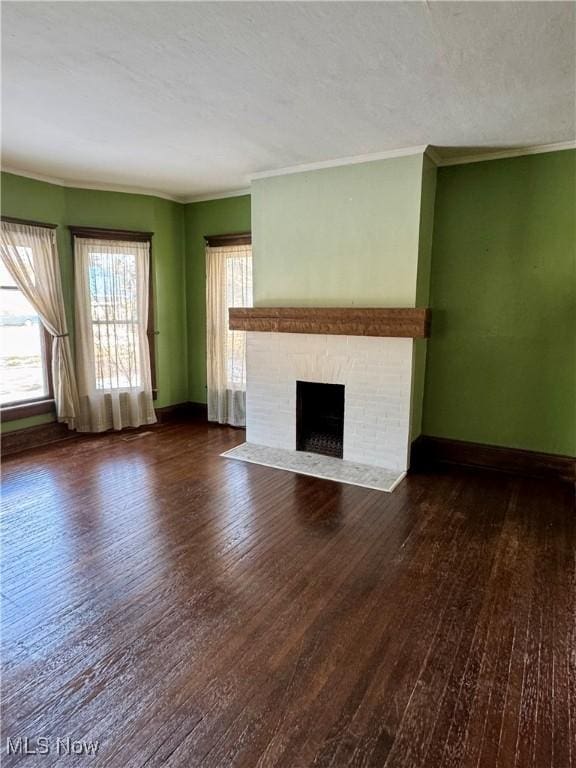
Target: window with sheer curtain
25	365
228	284
112	303
32	301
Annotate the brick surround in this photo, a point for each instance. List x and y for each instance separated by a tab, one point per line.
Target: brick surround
376	373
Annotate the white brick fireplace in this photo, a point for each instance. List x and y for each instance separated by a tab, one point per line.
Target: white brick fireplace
329	391
375	371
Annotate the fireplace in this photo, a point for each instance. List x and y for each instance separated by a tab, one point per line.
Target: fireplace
330	391
320	418
303	363
374	373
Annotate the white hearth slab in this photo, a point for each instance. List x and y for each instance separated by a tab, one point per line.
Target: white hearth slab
313	464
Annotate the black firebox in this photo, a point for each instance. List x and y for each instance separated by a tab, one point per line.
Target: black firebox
320	418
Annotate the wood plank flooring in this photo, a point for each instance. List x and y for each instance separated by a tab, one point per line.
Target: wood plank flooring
187	610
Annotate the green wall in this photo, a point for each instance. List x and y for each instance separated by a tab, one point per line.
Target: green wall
213	217
501	363
340	236
425	232
30	199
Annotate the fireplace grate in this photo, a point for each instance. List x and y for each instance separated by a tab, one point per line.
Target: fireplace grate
322	442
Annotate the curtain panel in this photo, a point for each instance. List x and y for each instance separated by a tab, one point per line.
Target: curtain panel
112	352
30	255
228	284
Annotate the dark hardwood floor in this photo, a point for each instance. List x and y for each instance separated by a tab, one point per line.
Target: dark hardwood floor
188	610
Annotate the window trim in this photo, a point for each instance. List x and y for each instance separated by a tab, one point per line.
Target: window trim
23	409
27	408
98	233
235	238
28	222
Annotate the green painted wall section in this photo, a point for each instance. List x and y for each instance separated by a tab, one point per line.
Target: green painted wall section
425	239
425	231
501	363
31	421
30	199
213	217
345	236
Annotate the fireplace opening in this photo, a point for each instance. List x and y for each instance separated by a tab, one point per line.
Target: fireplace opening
320	418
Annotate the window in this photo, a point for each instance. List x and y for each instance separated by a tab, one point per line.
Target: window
113	309
25	359
115	276
228	284
114	337
238	294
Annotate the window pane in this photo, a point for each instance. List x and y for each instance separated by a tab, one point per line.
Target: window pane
27	262
115	355
5	276
114	310
113	286
238	294
21	350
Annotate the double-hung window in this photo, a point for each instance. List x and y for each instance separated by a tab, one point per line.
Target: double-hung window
25	354
114	319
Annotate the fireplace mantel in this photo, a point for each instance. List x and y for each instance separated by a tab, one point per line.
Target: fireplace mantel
341	321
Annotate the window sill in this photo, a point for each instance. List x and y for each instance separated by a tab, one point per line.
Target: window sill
24	410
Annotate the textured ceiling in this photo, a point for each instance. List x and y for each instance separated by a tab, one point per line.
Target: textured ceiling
192	98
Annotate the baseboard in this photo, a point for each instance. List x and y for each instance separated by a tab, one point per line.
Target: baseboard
198	411
33	437
428	452
187	411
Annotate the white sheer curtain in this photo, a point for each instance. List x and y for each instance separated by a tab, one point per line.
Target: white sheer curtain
112	353
228	284
30	255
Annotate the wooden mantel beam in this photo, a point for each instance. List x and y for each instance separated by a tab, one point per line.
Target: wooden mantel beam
342	321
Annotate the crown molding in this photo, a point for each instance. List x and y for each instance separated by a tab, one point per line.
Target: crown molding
499	154
216	196
352	160
125	189
90	185
434	153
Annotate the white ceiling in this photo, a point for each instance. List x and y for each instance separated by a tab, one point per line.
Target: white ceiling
192	98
